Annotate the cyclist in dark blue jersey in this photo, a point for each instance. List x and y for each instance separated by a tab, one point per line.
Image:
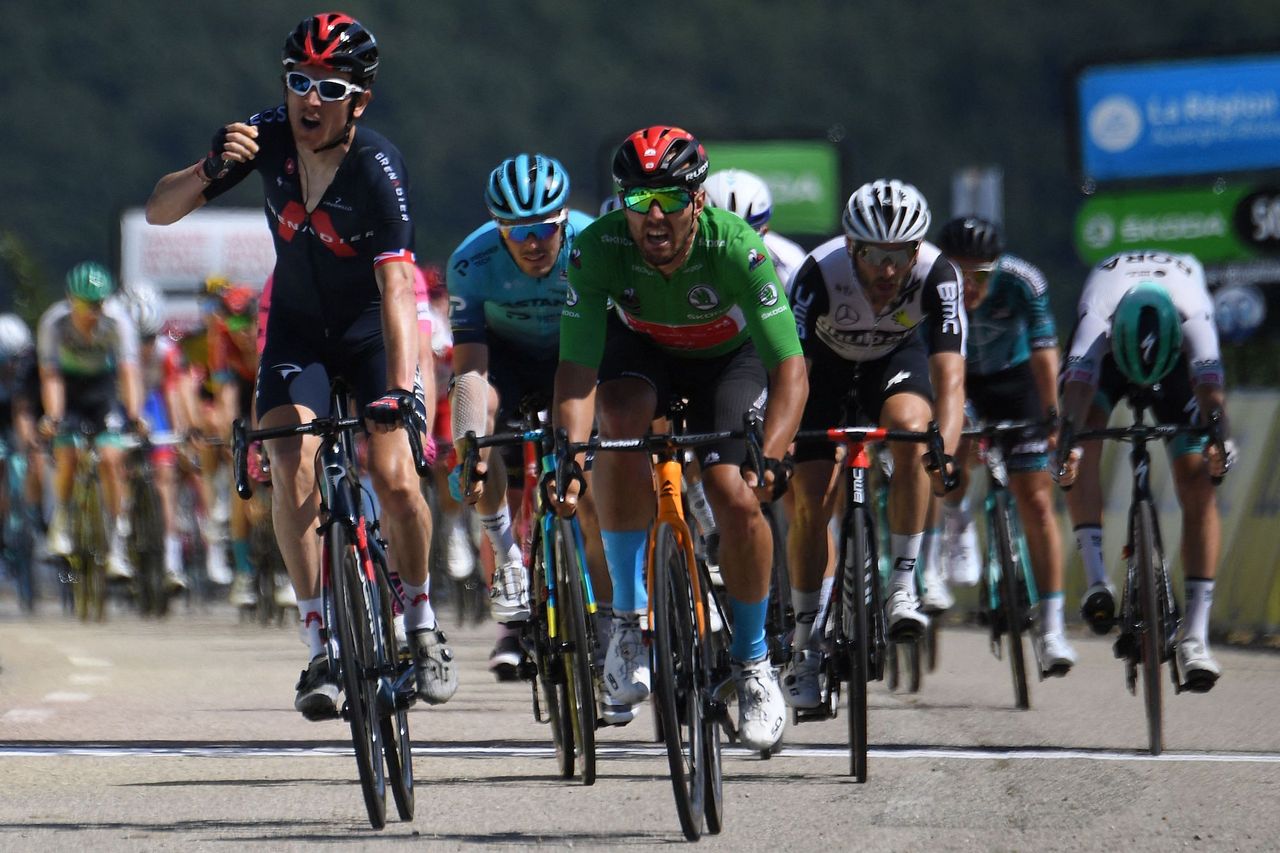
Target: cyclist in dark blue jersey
337	203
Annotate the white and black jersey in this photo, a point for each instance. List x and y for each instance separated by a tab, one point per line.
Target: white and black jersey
832	310
1181	276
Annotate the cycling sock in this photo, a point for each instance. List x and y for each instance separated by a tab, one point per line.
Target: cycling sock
701	509
311	623
1051	613
624	553
498	529
749	643
824	601
805	605
418	613
172	554
932	548
1089	544
1199	603
905	549
240	552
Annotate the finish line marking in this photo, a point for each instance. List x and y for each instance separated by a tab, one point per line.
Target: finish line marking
489	752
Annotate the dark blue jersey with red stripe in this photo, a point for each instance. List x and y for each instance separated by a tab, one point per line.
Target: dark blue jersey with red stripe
324	280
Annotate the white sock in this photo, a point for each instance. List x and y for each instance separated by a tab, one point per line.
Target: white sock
173	554
824	600
1199	603
1089	544
701	509
805	605
498	528
311	623
418	613
932	547
905	549
1051	613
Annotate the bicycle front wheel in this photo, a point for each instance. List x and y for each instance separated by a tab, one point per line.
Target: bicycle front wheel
577	644
1012	599
857	559
89	538
677	677
356	659
397	746
1152	639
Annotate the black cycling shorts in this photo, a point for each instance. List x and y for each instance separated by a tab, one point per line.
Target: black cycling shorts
719	390
1011	395
836	385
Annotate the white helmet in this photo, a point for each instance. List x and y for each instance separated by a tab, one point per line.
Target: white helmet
15	336
742	193
886	212
146	307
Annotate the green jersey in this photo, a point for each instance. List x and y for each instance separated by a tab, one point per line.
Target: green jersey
725	293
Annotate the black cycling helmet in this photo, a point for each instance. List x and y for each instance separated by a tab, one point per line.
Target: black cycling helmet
660	156
336	41
971	238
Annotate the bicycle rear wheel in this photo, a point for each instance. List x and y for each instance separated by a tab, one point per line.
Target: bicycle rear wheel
397	746
89	538
779	618
577	643
545	606
354	622
1012	599
857	560
148	547
677	678
716	648
1152	639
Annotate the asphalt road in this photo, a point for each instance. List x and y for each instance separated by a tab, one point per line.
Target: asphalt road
181	735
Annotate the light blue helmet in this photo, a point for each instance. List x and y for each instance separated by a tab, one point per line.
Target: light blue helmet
525	186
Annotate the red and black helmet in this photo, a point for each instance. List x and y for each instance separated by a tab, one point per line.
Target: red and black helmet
660	156
336	41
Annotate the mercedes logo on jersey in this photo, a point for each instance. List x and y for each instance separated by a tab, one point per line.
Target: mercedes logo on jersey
846	316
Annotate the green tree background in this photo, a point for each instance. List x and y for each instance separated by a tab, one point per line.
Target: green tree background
104	98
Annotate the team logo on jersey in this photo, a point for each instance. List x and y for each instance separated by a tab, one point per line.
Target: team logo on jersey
755	259
900	376
703	297
768	295
846	316
456	305
575	258
903	319
570	296
287	370
629	299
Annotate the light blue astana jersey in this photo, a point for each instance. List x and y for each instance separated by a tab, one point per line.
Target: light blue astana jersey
1013	320
489	295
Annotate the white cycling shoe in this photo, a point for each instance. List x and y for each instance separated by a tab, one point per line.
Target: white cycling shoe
509	594
902	615
801	687
626	666
1055	654
762	712
1197	669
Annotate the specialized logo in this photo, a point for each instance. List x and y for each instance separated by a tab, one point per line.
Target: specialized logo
1148	347
768	295
570	296
755	259
703	297
287	370
900	376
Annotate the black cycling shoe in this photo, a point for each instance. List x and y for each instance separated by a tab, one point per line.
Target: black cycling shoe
317	697
1098	607
504	660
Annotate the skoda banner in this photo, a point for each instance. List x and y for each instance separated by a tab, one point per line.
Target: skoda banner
1208	115
803	177
1234	222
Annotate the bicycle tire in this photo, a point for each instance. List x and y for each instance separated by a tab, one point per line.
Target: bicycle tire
1144	549
577	648
856	561
676	678
89	537
352	616
397	745
1011	600
718	645
19	542
147	537
779	618
549	674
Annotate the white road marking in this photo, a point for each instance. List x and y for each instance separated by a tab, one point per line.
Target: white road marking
67	696
93	663
84	678
26	715
489	752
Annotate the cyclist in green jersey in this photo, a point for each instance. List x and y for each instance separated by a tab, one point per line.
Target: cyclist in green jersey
700	314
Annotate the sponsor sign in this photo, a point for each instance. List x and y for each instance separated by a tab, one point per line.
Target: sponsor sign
1206	115
803	177
177	258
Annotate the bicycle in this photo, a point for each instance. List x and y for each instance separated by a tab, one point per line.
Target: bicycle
376	675
689	675
88	530
146	529
17	539
1149	613
1007	593
858	646
559	636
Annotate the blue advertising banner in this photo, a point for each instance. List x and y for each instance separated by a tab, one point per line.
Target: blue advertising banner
1185	117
